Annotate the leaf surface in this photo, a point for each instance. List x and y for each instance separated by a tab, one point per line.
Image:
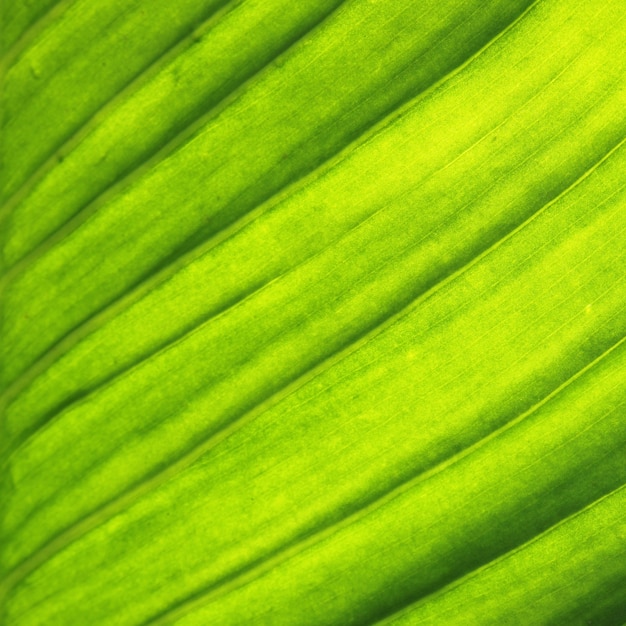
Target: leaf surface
313	314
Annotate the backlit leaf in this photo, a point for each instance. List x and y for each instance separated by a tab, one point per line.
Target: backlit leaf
313	313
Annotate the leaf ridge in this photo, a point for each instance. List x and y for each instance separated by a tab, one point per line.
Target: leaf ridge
156	154
128	89
31	33
186	133
388	619
214	439
104	512
128	298
276	558
248	294
139	290
184	256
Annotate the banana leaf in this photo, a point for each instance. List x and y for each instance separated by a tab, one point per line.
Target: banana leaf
313	313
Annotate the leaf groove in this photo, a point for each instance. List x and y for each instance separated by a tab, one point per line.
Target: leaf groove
184	256
126	90
106	511
275	559
152	157
31	34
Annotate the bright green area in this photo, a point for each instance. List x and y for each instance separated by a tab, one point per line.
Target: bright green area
314	314
268	136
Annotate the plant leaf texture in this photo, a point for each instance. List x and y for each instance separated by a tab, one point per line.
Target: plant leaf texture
313	313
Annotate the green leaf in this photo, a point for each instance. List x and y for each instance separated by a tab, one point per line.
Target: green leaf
313	313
